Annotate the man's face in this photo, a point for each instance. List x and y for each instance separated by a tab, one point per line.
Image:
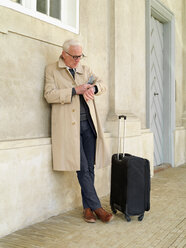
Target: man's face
72	51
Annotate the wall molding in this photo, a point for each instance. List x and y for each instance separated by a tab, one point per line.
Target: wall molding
34	38
15	144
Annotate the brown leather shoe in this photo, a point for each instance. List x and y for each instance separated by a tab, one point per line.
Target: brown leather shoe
103	215
89	216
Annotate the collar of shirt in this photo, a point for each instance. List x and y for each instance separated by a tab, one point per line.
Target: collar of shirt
71	68
61	64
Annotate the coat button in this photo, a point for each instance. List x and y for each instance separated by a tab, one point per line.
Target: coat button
73	123
73	110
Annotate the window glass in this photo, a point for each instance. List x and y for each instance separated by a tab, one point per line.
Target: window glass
55	8
42	6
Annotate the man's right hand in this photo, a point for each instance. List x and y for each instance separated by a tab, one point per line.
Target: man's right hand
80	90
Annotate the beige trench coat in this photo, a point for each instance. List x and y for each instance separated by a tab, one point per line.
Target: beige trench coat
66	116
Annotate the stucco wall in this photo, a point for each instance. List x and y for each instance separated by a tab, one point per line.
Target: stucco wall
127	60
184	62
30	190
44	44
177	8
25	52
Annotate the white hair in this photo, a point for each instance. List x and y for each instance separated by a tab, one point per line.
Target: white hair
72	42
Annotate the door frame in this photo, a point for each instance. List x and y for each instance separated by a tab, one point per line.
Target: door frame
165	16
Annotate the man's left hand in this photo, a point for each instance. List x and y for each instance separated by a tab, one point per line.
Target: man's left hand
89	94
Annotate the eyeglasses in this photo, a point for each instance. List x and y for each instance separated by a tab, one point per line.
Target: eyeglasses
76	57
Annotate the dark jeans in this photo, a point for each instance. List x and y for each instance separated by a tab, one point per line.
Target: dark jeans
86	173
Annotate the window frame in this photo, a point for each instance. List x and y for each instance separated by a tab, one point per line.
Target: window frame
28	7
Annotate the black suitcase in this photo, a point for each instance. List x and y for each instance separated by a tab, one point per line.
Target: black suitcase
130	183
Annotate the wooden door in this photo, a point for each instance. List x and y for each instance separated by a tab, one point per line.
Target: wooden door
156	89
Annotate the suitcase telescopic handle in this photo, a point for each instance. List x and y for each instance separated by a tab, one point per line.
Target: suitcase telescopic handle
124	133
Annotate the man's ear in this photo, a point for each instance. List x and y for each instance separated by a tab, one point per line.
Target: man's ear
63	54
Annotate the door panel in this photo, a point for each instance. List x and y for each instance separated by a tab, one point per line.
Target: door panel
156	89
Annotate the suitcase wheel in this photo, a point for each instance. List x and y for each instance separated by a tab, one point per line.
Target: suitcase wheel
113	209
127	217
140	218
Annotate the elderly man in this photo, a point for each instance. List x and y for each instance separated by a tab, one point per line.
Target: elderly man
77	137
